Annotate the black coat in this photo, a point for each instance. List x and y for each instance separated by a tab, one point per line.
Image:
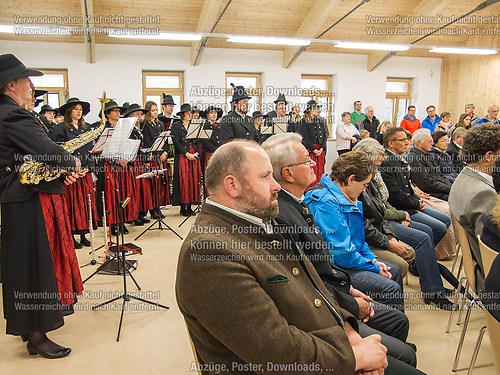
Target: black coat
313	133
426	175
371	126
233	126
21	134
308	236
454	152
209	145
396	175
376	227
150	131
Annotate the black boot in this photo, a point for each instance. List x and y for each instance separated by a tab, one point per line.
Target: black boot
78	245
84	241
184	210
142	217
124	229
190	210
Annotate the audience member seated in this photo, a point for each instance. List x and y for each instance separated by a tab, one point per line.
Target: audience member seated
381	129
491	294
294	171
338	213
445	123
375	212
455	147
246	314
424	173
442	160
431	120
473	193
491	221
396	175
491	117
410	122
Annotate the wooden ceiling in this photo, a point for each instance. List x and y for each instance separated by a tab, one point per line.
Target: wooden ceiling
279	18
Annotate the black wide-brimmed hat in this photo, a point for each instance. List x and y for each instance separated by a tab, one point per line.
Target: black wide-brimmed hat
259	114
110	106
312	103
73	101
219	111
131	108
11	68
47	108
166	99
186	107
281	98
239	93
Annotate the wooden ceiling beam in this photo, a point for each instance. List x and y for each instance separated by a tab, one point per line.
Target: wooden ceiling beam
208	18
309	28
424	8
89	38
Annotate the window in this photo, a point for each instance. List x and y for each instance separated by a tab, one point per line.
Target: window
252	84
154	83
397	99
55	82
319	88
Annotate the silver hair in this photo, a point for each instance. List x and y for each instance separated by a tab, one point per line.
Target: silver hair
458	132
371	147
280	151
419	135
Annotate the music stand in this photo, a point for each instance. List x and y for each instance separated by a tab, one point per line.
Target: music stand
161	224
196	132
121	147
277	126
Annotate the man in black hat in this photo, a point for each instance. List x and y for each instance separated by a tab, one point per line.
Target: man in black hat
35	246
237	124
258	120
167	106
48	113
279	115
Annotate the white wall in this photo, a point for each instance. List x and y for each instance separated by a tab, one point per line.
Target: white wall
118	72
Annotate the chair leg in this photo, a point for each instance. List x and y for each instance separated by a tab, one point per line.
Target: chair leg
455	301
457	255
407	283
462	337
464	302
476	350
459	270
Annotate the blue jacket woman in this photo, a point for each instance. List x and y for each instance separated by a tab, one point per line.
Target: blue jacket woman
346	239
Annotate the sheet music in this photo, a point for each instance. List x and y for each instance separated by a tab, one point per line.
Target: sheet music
194	128
160	141
118	146
205	134
280	124
101	142
266	129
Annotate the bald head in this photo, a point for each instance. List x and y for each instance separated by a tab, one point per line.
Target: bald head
493	111
229	159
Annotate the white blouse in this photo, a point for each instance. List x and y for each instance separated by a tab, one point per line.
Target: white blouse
344	134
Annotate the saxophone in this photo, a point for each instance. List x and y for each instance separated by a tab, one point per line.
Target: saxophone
32	172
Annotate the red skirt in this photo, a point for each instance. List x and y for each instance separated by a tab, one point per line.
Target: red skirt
189	178
66	269
144	187
77	199
319	169
160	186
121	178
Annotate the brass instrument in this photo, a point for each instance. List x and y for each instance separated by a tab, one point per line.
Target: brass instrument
32	172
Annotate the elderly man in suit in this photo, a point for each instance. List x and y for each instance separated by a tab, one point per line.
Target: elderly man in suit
294	171
473	193
457	141
253	304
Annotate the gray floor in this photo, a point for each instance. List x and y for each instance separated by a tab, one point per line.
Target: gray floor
155	341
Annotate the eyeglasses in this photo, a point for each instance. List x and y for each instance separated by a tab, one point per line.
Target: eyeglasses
308	161
401	140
